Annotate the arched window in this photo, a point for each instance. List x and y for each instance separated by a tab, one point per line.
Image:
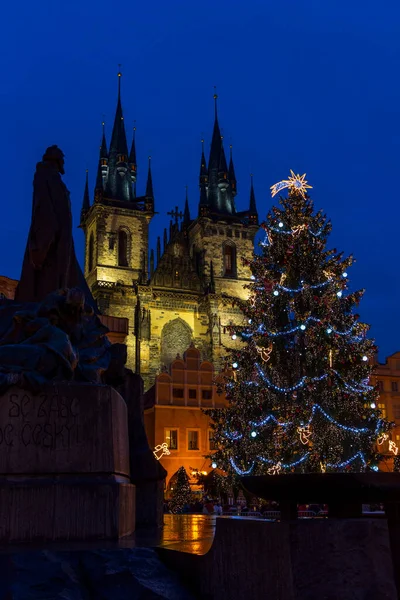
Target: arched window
90	252
122	248
229	252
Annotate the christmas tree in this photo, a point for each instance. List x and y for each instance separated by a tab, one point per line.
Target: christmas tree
181	491
299	397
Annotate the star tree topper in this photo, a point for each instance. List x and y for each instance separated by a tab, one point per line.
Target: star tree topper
294	182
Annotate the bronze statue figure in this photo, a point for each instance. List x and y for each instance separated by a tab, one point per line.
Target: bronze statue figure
50	262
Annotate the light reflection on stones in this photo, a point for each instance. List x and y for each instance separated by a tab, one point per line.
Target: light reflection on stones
188	533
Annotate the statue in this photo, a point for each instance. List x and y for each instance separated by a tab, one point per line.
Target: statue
50	262
51	331
59	339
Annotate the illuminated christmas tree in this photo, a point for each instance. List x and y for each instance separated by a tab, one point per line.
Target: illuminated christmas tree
300	398
181	491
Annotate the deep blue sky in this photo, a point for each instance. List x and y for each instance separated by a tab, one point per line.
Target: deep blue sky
311	85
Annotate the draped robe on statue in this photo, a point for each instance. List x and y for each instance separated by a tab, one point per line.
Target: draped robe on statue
50	262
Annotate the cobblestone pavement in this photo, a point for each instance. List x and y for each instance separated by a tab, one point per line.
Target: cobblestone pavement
188	533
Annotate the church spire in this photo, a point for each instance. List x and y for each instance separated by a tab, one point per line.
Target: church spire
253	215
232	176
203	177
218	198
132	157
102	167
186	212
149	184
119	184
86	201
103	147
118	143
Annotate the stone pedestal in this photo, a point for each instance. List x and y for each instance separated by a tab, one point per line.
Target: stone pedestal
64	465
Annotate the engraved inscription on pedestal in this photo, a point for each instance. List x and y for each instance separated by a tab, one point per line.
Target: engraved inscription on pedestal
63	429
47	421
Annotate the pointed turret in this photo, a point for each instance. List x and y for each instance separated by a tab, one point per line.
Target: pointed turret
102	167
231	173
203	183
203	178
223	182
253	215
118	143
165	239
149	184
103	147
158	249
119	185
151	263
86	200
186	212
132	158
218	193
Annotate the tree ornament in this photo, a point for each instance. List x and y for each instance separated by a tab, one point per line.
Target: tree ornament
305	434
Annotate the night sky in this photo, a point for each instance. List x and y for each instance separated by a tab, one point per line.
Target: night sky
308	85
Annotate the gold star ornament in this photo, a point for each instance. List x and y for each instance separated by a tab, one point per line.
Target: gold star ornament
293	182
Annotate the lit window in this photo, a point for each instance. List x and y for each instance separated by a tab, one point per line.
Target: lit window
211	442
229	260
394	386
193	439
171	438
397	437
382	408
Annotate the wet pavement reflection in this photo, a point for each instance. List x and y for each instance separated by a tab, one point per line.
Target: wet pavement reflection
188	533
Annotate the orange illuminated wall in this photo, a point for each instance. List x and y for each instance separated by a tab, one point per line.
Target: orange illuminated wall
387	378
173	413
7	287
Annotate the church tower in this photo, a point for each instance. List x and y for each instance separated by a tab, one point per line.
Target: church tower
183	292
116	224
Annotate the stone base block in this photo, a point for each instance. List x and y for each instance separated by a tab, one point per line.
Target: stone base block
337	559
54	509
149	504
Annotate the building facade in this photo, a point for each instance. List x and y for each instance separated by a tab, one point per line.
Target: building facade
387	378
174	417
182	292
7	287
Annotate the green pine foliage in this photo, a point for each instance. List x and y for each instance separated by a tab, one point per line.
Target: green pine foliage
300	398
181	492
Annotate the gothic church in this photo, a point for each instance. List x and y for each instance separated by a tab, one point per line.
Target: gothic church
179	295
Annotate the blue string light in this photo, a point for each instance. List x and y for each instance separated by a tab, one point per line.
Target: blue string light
330	329
239	471
360	388
304	287
314	409
287	465
281	230
295	387
297	462
347	462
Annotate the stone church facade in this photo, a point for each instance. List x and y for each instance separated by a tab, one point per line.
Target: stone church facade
182	293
